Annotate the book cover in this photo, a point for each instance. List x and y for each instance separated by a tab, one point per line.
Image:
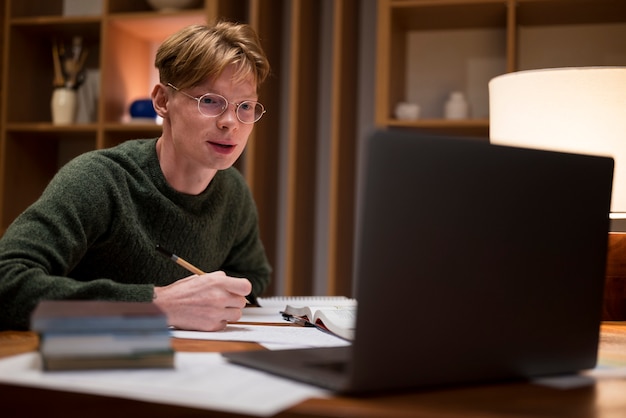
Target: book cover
92	315
157	359
101	343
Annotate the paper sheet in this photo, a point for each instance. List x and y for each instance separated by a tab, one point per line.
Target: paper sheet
271	337
201	380
265	315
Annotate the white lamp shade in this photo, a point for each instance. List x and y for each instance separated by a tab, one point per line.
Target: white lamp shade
578	109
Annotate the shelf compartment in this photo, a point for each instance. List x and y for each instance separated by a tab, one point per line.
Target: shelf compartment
436	47
155	27
128	45
30	69
37	152
448	14
39	8
31	8
550	46
576	33
131	6
571	12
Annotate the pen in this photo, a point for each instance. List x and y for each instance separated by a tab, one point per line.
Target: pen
296	320
181	262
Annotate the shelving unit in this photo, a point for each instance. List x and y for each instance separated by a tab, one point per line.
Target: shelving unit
428	48
32	147
122	36
302	157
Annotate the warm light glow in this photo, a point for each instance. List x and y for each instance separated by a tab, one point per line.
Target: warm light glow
578	109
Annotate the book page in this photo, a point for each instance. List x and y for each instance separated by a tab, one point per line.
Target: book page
310	311
314	303
341	322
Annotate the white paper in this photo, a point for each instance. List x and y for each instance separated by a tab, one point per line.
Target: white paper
271	337
264	315
200	380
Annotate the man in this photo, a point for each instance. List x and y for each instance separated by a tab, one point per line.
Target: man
93	232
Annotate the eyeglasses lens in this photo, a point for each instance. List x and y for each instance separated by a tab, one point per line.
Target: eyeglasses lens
214	105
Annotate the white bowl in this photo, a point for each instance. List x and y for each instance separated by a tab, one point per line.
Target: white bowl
170	5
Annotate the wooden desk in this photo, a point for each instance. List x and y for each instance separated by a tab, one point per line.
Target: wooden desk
606	398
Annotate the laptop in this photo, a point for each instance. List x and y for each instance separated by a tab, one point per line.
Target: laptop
474	263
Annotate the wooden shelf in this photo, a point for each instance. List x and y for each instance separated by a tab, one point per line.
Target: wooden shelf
48	127
465	127
554	12
433	15
427	48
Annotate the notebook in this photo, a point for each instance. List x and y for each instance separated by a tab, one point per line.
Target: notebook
475	262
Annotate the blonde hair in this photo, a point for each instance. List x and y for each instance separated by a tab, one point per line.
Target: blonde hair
197	52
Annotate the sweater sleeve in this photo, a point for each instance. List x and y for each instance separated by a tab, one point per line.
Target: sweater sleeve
47	240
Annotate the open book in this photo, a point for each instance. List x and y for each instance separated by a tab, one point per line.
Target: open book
337	316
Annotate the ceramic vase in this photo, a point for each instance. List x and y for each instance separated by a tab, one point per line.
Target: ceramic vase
63	106
456	107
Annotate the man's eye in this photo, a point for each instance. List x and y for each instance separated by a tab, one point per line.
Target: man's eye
246	106
208	100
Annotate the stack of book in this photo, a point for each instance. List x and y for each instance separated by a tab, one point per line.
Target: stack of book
78	335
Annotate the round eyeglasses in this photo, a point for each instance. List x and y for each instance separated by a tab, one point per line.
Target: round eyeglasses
213	105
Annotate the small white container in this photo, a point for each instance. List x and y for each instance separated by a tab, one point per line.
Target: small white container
407	111
456	107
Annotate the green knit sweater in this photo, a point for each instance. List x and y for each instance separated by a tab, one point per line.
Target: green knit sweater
92	234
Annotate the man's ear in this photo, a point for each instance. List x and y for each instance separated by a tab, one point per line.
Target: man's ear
160	100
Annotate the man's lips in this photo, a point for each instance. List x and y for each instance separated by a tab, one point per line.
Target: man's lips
222	147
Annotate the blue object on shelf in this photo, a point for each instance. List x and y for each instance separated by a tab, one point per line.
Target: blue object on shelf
142	108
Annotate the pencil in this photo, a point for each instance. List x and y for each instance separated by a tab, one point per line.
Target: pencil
181	262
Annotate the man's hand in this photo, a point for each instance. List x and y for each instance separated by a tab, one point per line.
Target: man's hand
203	303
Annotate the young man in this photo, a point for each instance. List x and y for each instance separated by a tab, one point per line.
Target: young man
94	231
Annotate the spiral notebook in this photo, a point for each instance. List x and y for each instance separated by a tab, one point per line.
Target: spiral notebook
474	263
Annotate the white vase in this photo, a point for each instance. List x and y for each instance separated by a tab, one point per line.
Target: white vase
63	106
456	107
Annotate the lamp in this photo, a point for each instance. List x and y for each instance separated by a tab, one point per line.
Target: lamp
580	110
577	109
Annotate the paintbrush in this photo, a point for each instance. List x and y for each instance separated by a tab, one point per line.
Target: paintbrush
59	80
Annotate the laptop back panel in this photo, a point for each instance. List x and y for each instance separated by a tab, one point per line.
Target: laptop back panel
477	262
474	262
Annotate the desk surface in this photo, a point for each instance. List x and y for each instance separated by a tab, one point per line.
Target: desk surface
604	399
